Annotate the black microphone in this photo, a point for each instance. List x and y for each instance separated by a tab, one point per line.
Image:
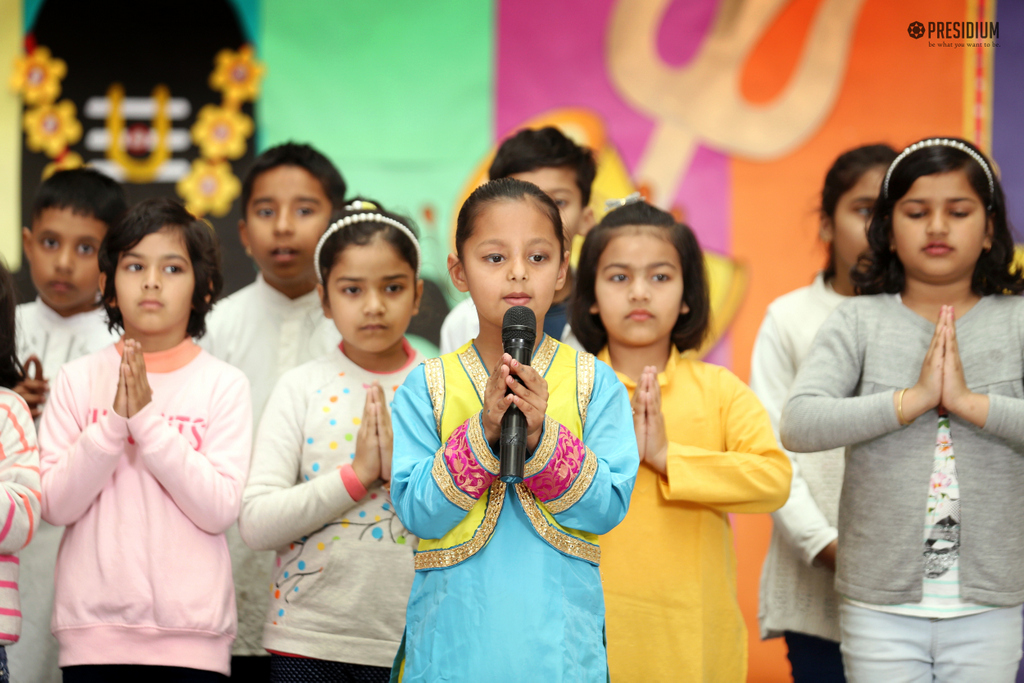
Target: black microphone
518	334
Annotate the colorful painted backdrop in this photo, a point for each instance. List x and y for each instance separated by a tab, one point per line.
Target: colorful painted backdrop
729	112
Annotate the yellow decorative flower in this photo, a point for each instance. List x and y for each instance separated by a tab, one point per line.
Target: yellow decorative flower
237	75
65	163
210	187
221	133
51	128
37	77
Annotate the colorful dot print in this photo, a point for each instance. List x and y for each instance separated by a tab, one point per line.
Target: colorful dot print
316	467
356	421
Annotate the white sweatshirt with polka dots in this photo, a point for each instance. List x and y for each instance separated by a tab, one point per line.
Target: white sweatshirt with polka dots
344	564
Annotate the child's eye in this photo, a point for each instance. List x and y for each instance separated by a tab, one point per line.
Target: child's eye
50	243
864	211
494	258
86	249
133	267
392	289
304	211
538	258
350	290
916	215
561	203
173	269
264	213
618	277
660	277
960	214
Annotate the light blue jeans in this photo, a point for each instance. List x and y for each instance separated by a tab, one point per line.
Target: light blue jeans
982	648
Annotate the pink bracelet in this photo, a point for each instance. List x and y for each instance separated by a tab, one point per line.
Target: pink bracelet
354	487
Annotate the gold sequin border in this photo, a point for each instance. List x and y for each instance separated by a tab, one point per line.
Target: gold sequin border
579	487
475	369
542	361
542	455
449	557
481	449
443	479
584	383
434	371
556	538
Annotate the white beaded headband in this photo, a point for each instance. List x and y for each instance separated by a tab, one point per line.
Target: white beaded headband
942	142
363	218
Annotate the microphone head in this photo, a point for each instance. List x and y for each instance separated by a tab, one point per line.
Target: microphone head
519	323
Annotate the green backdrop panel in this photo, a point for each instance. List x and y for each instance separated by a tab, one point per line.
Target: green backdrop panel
398	94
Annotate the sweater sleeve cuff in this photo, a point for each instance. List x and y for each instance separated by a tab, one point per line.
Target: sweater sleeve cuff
814	548
354	487
112	432
146	426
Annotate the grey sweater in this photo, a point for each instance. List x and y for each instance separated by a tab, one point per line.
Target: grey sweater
870	347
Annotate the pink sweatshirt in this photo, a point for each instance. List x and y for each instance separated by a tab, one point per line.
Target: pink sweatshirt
143	572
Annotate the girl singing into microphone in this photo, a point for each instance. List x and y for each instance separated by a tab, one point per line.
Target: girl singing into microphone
507	585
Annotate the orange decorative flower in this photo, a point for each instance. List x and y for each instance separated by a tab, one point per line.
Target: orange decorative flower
37	77
51	128
65	162
237	75
210	187
221	133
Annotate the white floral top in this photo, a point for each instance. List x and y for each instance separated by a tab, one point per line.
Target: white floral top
941	587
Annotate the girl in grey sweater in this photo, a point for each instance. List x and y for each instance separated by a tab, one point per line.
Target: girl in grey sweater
934	358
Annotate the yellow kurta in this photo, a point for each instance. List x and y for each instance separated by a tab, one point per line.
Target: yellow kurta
669	569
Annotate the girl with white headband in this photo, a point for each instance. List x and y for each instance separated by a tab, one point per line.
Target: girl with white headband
322	460
929	360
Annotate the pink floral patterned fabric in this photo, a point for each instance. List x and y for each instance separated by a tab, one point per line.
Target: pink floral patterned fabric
561	469
466	472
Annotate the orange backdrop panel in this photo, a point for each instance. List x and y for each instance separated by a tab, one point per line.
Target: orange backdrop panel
896	90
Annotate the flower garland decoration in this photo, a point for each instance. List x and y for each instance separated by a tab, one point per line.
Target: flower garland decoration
50	127
220	132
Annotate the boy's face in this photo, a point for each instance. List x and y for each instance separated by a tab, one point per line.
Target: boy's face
559	183
61	249
286	215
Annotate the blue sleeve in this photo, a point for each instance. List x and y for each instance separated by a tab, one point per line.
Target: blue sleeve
419	502
608	433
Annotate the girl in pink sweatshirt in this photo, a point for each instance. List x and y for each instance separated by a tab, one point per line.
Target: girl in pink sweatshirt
19	473
145	452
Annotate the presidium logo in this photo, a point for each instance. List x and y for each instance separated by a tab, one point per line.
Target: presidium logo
957	33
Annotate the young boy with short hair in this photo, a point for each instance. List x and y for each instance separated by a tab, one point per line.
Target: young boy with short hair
565	171
271	326
71	214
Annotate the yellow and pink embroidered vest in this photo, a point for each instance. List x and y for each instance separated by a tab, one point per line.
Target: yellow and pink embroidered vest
556	476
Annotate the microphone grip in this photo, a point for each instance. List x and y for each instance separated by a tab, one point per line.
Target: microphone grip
512	446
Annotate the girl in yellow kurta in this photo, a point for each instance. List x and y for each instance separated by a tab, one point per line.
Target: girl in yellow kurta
706	447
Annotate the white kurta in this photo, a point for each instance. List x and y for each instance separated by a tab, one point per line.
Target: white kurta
55	340
263	333
795	594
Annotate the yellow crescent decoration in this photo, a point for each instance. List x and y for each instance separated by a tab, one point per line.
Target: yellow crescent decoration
139	170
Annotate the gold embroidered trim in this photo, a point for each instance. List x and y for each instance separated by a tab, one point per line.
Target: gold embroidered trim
475	369
449	557
545	449
578	488
584	383
545	353
555	537
481	449
434	371
443	478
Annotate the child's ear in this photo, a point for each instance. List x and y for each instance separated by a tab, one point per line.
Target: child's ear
418	298
594	310
989	231
324	303
243	236
27	243
685	308
457	272
586	221
826	230
102	283
563	271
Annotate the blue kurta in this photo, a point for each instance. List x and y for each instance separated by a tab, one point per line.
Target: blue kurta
517	610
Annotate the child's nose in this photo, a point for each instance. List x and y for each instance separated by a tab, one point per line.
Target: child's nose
283	224
518	268
65	259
